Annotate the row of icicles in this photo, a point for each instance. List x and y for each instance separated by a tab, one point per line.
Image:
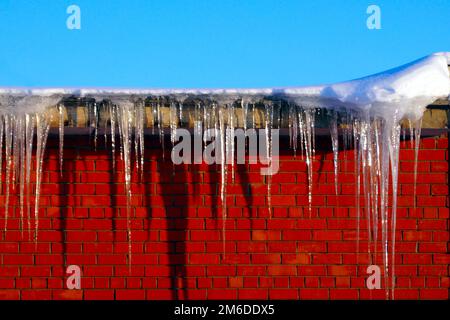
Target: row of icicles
375	142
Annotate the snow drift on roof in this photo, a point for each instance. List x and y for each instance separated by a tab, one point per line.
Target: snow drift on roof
408	88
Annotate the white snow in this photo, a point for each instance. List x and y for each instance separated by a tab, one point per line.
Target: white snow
409	88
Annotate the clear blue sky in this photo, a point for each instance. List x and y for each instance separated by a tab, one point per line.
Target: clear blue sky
208	43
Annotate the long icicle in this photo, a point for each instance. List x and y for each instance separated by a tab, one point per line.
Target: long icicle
8	164
224	171
29	135
335	147
417	134
394	149
61	137
112	117
21	135
124	114
42	128
268	130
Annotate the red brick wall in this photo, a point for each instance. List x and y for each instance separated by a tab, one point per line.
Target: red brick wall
177	246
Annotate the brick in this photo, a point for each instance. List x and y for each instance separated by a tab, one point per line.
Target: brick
36	295
283	294
282	270
130	294
225	294
434	294
253	294
287	253
343	294
67	294
314	294
9	294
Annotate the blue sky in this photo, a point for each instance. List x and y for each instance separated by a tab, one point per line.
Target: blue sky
208	43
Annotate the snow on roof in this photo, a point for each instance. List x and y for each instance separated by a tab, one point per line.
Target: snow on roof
408	88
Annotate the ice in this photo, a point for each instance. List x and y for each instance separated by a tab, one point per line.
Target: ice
29	134
94	122
335	147
173	115
307	128
20	136
8	164
125	110
293	128
61	136
160	127
139	135
244	106
230	144
268	135
394	149
223	168
112	117
417	133
42	128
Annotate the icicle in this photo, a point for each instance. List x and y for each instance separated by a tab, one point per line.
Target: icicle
366	162
15	150
230	138
313	131
221	129
308	132
160	127
42	128
154	116
198	129
173	122
268	135
417	134
125	121
8	164
139	135
112	116
375	179
411	133
21	145
301	128
206	123
94	123
293	128
335	147
29	135
244	106
107	116
180	113
394	148
61	137
253	115
357	160
141	122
